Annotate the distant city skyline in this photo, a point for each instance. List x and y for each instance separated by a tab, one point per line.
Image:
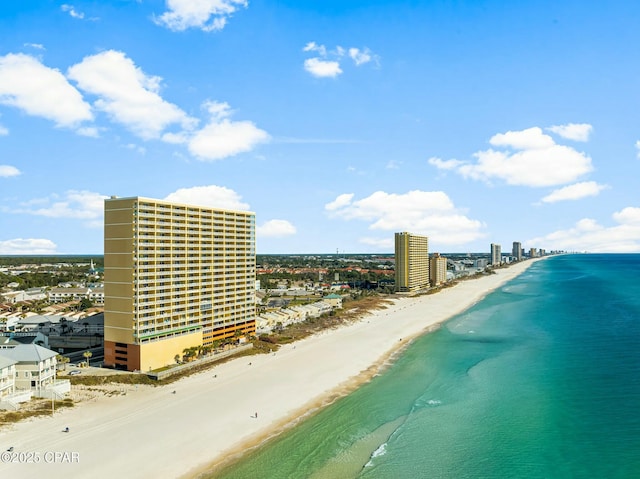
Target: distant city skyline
337	123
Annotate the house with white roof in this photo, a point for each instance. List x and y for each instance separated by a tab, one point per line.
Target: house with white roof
62	295
35	366
31	294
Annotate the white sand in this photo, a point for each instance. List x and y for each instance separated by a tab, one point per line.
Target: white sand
151	432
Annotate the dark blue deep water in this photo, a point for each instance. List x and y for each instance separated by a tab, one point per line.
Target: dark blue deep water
539	380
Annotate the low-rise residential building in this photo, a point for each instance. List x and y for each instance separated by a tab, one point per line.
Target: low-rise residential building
7	376
62	295
335	300
270	320
35	366
96	295
31	294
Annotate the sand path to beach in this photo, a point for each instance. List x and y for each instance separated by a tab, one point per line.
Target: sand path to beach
153	433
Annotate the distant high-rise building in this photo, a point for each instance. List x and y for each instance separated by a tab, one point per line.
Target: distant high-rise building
437	269
516	252
496	254
533	253
412	262
176	276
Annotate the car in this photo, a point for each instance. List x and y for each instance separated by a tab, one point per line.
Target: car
74	372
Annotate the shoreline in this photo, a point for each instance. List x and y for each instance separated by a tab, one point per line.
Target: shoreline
209	423
384	362
307	411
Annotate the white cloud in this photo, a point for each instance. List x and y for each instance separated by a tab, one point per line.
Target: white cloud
137	148
340	202
539	167
638	148
574	192
530	158
27	246
573	131
327	63
128	95
529	139
322	68
27	84
37	46
90	131
275	229
206	15
393	165
629	215
314	47
210	196
378	244
589	235
360	57
74	204
445	164
222	137
322	141
72	11
8	170
423	212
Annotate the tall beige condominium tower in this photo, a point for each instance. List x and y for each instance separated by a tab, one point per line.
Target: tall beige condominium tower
412	262
437	269
496	254
176	276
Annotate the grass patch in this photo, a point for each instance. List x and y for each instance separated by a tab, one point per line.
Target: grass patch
33	408
112	379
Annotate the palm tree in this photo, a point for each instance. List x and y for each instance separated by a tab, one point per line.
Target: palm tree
87	354
63	360
187	354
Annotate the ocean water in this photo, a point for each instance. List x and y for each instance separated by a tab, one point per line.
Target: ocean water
541	379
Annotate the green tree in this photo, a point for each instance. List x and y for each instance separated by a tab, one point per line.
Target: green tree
87	354
63	360
85	303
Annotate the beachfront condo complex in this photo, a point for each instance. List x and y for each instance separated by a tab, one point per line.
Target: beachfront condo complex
516	251
412	262
437	269
496	254
176	276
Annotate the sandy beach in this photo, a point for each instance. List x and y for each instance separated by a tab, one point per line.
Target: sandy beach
152	432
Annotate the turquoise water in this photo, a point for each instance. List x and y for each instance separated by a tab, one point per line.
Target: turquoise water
539	380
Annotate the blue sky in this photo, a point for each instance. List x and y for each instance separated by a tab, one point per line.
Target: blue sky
337	122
